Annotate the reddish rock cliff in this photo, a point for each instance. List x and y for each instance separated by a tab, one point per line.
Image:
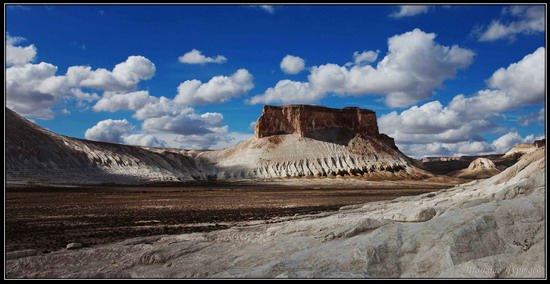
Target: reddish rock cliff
319	122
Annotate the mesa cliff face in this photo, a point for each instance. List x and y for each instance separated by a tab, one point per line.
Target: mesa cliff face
305	120
320	123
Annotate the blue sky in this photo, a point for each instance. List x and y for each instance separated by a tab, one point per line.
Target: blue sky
411	65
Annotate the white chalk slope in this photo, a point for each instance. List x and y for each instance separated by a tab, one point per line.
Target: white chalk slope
489	228
34	154
478	169
294	156
520	149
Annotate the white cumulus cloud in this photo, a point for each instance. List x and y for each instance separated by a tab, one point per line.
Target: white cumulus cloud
521	83
144	140
507	141
219	89
18	55
127	101
206	141
527	20
289	92
292	64
163	120
23	92
109	131
409	10
185	124
196	57
32	90
365	57
432	128
124	77
414	66
500	145
133	70
439	149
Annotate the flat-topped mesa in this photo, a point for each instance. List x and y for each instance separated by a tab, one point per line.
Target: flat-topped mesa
317	121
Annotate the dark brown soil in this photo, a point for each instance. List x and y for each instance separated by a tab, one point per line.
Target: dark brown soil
47	219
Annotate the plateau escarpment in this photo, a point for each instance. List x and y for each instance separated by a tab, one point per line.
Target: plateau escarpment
302	140
291	141
321	123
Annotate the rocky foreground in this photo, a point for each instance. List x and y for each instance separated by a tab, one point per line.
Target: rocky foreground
492	228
